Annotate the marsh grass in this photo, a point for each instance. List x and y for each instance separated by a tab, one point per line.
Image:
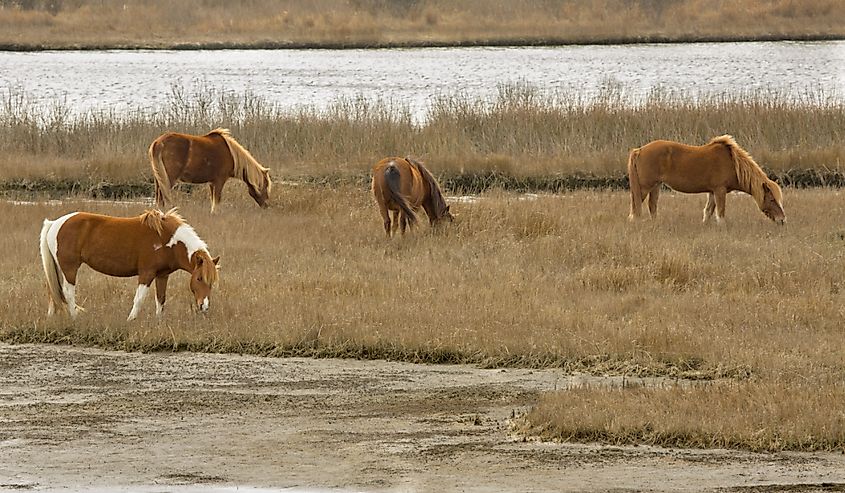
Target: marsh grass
271	23
532	281
521	134
760	416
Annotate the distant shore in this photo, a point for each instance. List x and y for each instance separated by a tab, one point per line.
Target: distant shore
359	45
33	25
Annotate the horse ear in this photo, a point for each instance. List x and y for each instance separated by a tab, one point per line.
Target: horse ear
447	208
216	259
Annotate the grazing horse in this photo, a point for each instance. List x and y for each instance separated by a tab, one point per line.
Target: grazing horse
402	185
212	158
718	167
150	246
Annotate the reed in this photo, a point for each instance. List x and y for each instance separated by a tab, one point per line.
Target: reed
522	132
31	24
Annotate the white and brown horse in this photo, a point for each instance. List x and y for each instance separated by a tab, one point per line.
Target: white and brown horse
402	185
716	168
151	246
212	158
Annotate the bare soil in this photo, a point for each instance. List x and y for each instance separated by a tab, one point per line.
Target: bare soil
86	419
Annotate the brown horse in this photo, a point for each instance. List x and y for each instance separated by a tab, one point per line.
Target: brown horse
212	158
402	185
718	167
151	246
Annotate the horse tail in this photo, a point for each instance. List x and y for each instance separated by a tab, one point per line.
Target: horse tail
51	268
634	180
392	177
162	182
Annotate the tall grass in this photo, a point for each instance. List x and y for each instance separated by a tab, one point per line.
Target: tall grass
159	23
554	281
522	131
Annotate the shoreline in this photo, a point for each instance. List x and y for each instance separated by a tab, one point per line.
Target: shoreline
380	45
471	183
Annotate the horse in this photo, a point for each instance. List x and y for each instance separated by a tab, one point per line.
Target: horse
402	185
151	246
718	167
212	158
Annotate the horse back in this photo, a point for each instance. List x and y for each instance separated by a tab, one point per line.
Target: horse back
114	246
411	185
686	168
195	158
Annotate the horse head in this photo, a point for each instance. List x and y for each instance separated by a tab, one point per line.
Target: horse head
261	192
772	205
203	277
444	216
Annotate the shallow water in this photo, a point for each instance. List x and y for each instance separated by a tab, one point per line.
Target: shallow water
120	80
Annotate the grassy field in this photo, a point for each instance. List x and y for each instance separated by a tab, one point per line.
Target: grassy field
31	24
751	311
523	132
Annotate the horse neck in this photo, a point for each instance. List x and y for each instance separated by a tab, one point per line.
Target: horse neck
434	200
181	259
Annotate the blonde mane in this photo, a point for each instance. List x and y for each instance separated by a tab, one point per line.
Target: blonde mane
246	167
750	176
208	269
155	220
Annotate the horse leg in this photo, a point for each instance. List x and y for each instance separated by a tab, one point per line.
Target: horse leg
216	193
720	195
636	206
69	287
403	222
395	226
385	215
653	195
709	208
161	293
70	296
144	282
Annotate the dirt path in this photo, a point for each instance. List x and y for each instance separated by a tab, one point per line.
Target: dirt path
86	419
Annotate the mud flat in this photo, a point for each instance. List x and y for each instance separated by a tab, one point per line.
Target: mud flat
87	419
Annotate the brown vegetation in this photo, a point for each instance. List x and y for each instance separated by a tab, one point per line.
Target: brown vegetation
158	23
559	281
523	132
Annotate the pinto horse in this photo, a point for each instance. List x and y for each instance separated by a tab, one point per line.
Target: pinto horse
402	185
151	246
716	168
212	158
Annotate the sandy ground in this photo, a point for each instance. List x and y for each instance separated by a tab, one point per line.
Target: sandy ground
75	419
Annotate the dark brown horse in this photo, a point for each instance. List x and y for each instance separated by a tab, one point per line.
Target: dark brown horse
212	158
402	185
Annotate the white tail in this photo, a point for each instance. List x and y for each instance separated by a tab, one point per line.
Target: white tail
51	269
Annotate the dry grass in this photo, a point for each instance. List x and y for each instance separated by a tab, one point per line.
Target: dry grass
158	23
761	416
559	281
524	131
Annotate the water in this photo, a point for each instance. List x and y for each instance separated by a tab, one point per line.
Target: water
121	80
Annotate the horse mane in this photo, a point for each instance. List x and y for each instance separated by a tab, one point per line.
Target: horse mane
246	167
155	219
437	199
750	176
208	269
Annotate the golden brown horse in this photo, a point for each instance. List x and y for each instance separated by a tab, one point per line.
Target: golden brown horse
402	185
716	168
212	158
151	246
